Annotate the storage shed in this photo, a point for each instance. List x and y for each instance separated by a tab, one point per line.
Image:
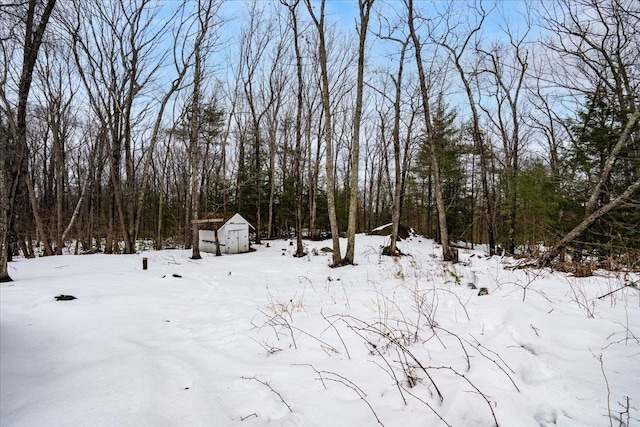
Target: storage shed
233	233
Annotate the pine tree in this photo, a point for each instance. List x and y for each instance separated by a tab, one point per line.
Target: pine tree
449	148
601	125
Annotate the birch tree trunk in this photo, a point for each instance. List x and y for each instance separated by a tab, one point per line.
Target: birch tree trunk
328	129
364	8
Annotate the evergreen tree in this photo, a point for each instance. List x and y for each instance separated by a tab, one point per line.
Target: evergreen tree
600	126
450	150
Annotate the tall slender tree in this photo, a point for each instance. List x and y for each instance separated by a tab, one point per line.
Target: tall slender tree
298	154
256	38
448	253
364	10
319	22
205	10
14	143
456	51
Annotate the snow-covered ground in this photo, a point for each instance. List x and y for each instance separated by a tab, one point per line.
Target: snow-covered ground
268	339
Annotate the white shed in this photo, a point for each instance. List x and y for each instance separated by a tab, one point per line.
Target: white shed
233	233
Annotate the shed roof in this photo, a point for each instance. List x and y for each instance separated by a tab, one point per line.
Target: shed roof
214	220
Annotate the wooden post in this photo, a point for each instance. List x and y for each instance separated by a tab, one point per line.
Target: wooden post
144	263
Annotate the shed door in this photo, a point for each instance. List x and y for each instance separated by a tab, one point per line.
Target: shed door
233	241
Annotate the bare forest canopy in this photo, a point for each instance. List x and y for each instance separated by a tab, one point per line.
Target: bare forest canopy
510	124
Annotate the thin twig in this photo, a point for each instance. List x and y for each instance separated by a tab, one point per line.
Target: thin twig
329	376
614	291
428	405
606	381
478	346
391	373
270	388
337	332
449	368
392	340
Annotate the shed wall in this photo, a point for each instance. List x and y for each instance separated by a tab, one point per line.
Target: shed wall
233	236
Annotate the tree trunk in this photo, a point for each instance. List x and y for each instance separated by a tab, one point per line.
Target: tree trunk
33	39
448	254
298	127
364	7
556	250
488	208
158	242
48	251
64	234
194	154
591	214
110	237
117	200
215	233
608	167
257	181
314	170
328	130
161	197
60	172
395	215
4	221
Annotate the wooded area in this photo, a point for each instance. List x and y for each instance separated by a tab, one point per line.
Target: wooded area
506	124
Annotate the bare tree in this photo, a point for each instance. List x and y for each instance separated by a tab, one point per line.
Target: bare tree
194	131
319	22
36	18
115	46
508	66
401	155
184	55
400	159
313	156
58	93
456	50
364	9
275	87
162	186
448	253
255	40
205	10
298	154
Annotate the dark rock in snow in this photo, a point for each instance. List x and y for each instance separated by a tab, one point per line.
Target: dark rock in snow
385	230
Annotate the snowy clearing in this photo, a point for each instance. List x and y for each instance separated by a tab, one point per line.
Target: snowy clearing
267	339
